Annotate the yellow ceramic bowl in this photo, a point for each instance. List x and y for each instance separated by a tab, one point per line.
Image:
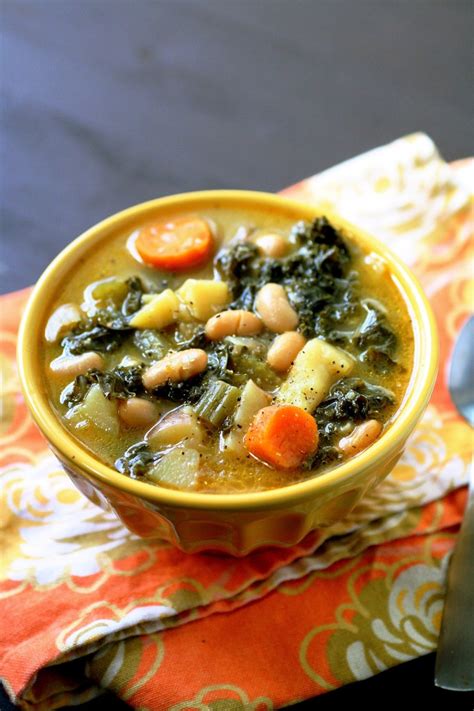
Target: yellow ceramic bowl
234	523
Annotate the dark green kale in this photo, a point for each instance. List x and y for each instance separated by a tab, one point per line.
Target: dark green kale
353	399
88	335
237	265
321	286
326	454
133	300
137	460
350	401
251	362
376	340
108	328
121	382
316	276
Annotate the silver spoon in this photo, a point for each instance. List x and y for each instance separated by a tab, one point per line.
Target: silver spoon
455	657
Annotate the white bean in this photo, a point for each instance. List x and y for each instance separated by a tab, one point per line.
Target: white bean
284	350
275	310
233	323
271	245
361	437
175	367
76	365
61	320
137	412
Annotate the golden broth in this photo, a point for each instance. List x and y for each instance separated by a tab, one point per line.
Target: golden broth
221	471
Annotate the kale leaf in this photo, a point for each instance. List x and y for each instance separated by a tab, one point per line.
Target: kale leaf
376	340
108	328
133	300
91	336
353	399
349	400
316	277
121	382
136	460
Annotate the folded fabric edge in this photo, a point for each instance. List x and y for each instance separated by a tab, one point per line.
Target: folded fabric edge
298	570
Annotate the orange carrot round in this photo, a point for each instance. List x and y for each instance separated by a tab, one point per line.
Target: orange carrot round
179	244
282	435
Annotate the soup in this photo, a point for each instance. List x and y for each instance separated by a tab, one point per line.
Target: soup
228	351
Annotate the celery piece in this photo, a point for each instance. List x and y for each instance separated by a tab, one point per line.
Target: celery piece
217	403
152	345
103	292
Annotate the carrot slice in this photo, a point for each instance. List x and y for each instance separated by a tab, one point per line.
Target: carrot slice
282	435
175	245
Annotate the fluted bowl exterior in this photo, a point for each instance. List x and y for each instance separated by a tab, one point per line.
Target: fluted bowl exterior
234	523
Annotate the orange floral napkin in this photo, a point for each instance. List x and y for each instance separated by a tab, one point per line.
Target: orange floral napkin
90	606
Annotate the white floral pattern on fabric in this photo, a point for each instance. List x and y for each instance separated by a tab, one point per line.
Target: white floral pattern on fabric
54	532
401	192
409	624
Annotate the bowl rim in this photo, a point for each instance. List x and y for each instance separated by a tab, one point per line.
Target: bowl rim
419	388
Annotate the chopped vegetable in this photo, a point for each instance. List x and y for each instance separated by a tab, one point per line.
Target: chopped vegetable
136	460
179	468
174	427
314	370
376	339
121	382
103	293
95	411
252	400
248	361
282	435
202	298
353	399
108	328
175	245
151	344
89	335
158	313
217	403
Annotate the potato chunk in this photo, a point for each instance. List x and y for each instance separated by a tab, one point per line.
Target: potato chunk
178	468
252	400
204	297
178	426
158	313
316	367
95	411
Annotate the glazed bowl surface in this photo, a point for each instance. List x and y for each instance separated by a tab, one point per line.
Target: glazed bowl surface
230	523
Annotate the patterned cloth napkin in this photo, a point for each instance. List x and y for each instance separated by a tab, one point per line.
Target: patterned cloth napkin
87	606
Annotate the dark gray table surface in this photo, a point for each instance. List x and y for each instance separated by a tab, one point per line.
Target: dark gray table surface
108	103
